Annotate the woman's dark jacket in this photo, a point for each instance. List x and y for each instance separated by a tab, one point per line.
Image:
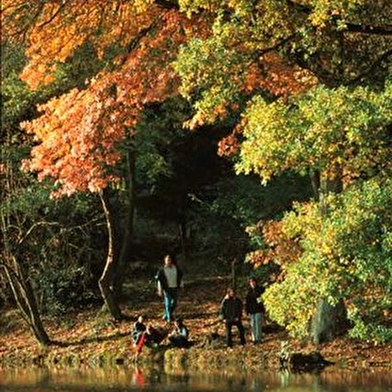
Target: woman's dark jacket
231	309
161	277
253	302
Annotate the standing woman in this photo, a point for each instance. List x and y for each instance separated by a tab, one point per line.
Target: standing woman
169	279
230	314
255	309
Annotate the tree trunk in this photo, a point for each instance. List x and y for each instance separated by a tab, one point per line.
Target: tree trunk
21	288
315	181
26	301
106	281
326	322
126	225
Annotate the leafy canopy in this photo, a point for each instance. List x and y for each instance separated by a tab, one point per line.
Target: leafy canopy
322	130
309	83
79	133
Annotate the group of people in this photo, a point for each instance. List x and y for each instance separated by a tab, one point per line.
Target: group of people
231	311
169	282
149	336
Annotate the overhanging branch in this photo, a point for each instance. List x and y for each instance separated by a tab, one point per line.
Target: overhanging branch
368	29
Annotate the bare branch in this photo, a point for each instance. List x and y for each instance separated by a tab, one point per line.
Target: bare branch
44	223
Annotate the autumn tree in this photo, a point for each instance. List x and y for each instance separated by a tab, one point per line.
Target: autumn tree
236	58
84	137
12	263
309	84
38	235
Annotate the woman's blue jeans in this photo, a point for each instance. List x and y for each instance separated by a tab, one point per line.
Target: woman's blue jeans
170	300
256	323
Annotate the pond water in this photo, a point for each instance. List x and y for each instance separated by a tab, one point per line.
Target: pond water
121	379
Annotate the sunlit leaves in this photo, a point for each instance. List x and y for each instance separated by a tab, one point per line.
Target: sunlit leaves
322	130
346	255
276	246
80	133
281	47
296	67
77	136
238	58
54	30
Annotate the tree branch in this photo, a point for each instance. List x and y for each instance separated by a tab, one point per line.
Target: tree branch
44	223
371	68
367	29
167	4
62	6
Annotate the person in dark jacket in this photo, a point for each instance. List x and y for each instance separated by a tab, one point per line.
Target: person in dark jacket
231	314
254	308
169	280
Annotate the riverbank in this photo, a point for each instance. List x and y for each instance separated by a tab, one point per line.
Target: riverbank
91	338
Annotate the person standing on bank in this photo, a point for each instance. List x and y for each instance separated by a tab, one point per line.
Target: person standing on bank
231	314
255	309
169	280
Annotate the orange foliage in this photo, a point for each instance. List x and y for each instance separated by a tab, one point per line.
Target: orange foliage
53	30
281	250
79	133
285	79
229	145
276	75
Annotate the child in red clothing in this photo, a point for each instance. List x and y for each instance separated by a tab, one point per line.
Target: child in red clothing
151	337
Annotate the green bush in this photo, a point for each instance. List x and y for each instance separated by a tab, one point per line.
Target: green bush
346	256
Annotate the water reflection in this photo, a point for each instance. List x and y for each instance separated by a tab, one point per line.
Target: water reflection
120	379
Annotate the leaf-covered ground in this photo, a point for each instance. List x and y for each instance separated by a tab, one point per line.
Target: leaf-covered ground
91	338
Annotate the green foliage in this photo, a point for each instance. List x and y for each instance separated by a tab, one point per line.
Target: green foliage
346	256
334	121
247	201
210	91
16	99
57	242
215	241
159	128
249	56
318	36
54	240
379	334
322	130
64	289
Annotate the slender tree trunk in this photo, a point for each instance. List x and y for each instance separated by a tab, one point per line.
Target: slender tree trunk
182	235
21	288
315	181
234	273
10	261
127	225
326	322
106	281
26	301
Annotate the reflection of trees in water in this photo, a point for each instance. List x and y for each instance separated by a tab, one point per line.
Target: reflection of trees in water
338	379
226	379
362	377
